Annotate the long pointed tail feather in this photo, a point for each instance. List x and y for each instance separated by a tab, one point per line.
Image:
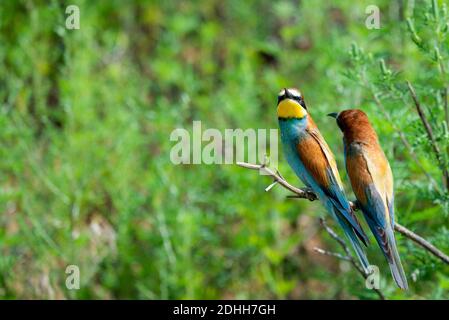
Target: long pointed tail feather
359	231
354	239
350	234
394	261
387	242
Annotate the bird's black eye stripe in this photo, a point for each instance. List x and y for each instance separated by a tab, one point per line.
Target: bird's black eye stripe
298	99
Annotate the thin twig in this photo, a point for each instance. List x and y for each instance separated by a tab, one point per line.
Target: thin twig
401	134
307	194
348	256
422	242
429	131
446	114
446	106
332	254
300	193
404	140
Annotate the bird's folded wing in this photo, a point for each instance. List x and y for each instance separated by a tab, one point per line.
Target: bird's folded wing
380	171
328	167
322	166
372	183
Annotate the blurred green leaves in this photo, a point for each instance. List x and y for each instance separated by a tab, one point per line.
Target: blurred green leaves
85	120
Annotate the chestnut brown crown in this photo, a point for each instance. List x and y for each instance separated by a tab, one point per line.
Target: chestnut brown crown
355	125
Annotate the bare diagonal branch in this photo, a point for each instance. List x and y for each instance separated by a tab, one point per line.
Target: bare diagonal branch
332	254
430	135
404	140
401	134
300	193
348	255
308	194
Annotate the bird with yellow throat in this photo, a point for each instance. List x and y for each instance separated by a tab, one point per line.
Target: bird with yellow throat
313	162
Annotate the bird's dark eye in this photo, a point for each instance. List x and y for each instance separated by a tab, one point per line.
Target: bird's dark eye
300	100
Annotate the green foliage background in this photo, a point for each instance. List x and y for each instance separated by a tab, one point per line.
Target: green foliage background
85	122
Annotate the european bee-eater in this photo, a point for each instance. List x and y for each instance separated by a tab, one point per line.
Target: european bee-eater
313	162
372	182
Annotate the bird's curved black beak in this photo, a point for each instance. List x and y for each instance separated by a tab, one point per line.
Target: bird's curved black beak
287	93
333	115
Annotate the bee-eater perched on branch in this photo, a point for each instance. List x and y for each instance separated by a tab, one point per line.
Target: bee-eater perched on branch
313	162
372	182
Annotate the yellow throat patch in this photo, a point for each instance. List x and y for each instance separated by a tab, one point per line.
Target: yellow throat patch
289	108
